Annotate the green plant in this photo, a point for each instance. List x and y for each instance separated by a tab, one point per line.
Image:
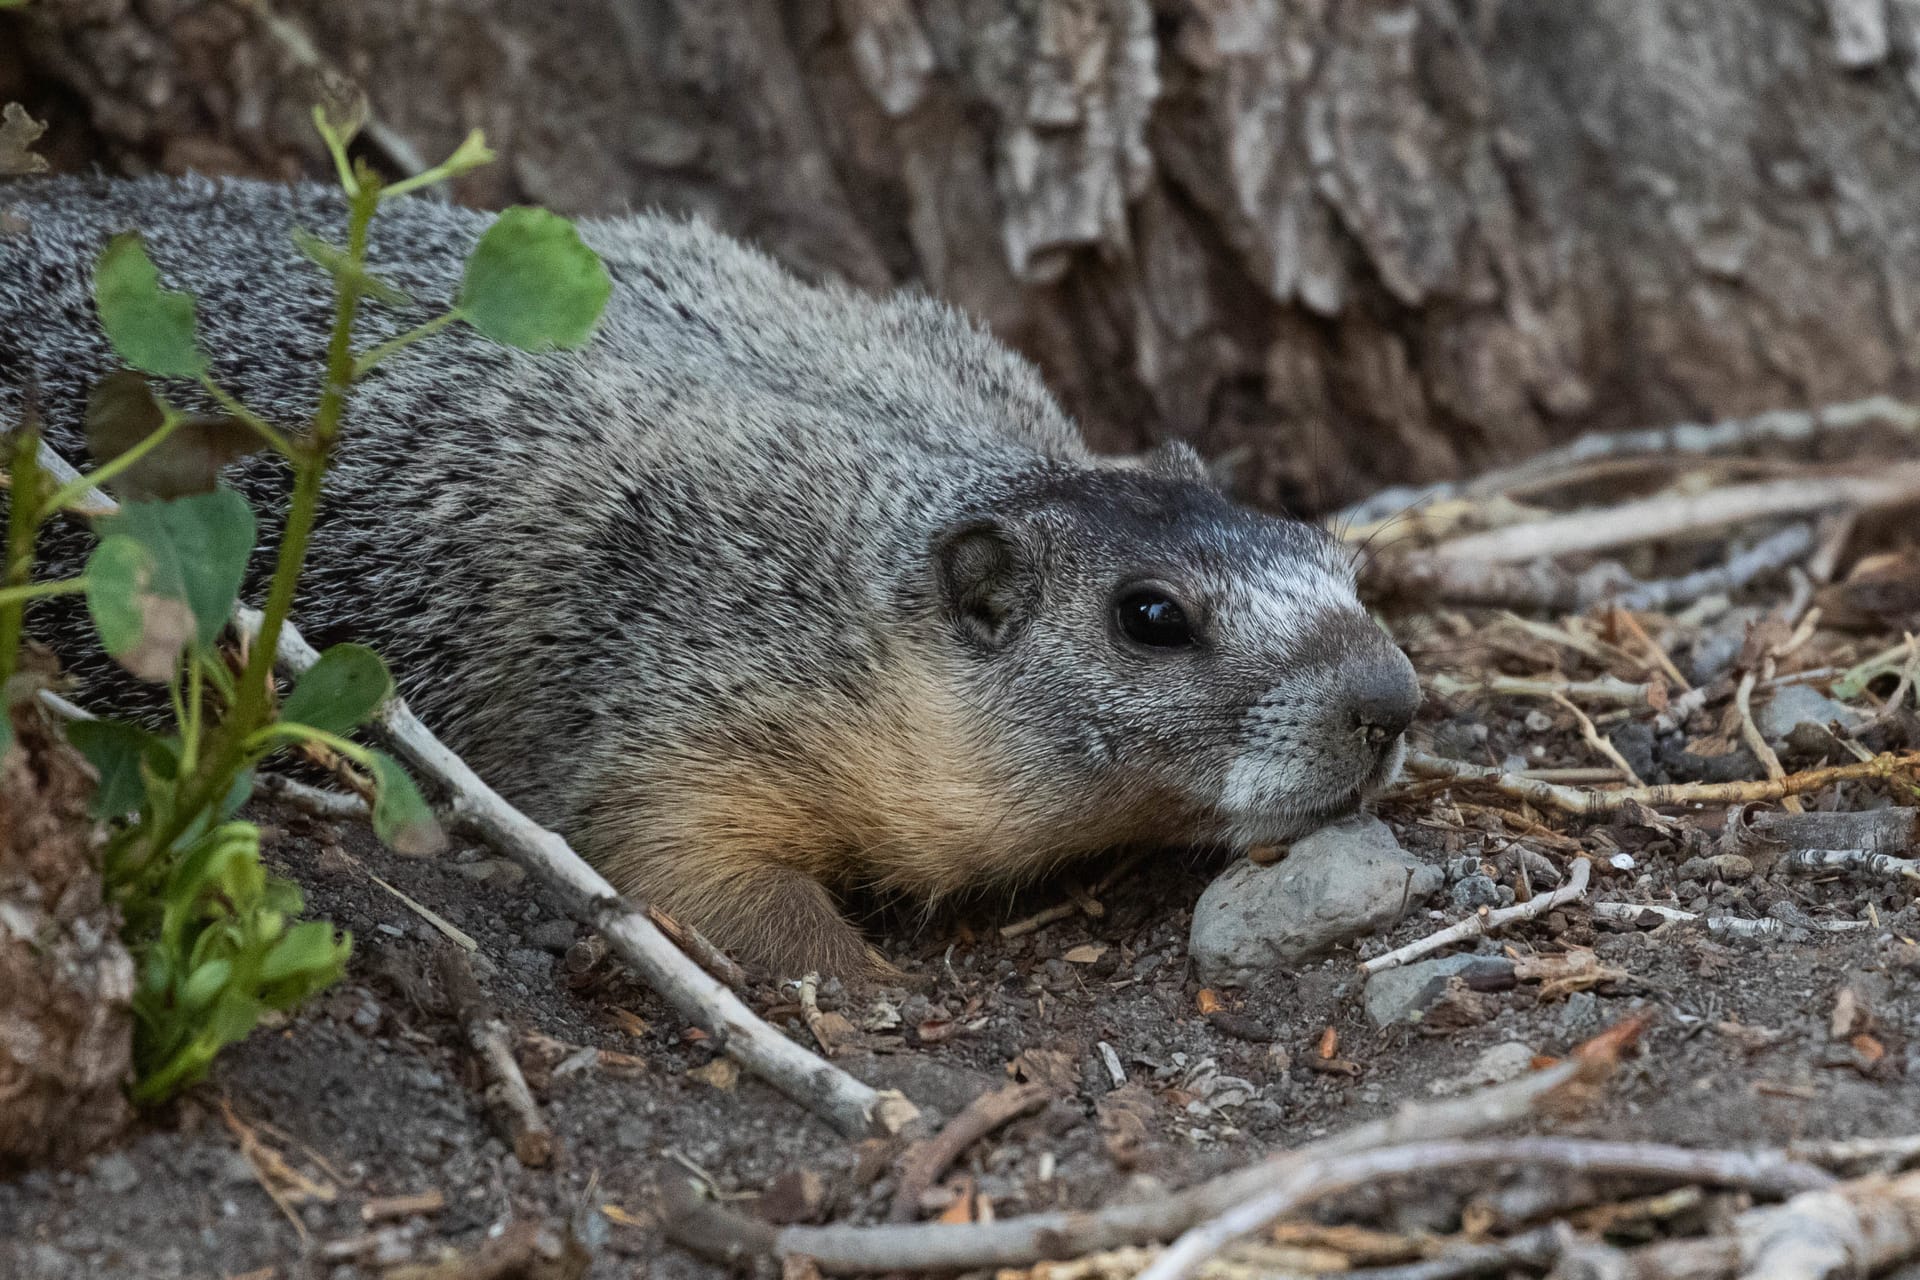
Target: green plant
215	936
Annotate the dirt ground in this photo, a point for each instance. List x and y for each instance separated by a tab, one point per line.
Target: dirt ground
370	1095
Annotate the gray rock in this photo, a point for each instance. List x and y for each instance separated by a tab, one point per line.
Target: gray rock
1404	994
115	1174
1340	883
1582	1007
1715	651
1476	891
552	935
1793	705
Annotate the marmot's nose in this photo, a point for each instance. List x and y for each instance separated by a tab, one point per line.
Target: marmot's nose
1383	696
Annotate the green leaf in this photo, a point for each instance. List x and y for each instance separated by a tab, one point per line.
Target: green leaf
337	263
307	950
122	412
340	691
206	982
400	817
152	328
115	751
199	548
532	282
144	631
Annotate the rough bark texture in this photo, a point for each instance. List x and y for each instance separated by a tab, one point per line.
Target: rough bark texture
1336	243
66	983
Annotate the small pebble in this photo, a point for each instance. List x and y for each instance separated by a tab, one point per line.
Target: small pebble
1539	721
1475	891
552	935
116	1174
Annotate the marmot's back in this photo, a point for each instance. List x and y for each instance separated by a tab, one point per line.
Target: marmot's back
767	586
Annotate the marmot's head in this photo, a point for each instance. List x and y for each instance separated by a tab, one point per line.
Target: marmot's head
1167	646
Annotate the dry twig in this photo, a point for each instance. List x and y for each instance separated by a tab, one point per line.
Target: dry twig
1592	803
1757	741
1761	1171
507	1093
1486	921
1813	861
724	1235
1610	690
1593	739
924	1164
1683	514
1686	439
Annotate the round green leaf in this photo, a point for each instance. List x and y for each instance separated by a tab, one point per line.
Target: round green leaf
532	282
400	817
115	751
206	982
152	328
308	950
199	547
340	691
142	629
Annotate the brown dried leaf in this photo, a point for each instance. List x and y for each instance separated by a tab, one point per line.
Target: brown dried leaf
1851	1015
721	1073
122	411
1125	1117
1086	953
1054	1068
167	627
1882	593
1577	969
18	132
798	1195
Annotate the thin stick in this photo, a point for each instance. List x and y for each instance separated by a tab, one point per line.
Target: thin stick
704	953
724	1235
1769	555
1485	921
315	801
848	1105
1760	1171
1727	926
1585	803
1757	742
1806	862
921	1167
1610	690
507	1094
1675	515
1598	743
1686	439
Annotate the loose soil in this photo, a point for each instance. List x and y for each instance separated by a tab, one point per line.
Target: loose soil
369	1093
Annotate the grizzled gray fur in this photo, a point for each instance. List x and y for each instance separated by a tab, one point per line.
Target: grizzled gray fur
769	590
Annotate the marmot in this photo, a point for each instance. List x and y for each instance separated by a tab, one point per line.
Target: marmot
771	589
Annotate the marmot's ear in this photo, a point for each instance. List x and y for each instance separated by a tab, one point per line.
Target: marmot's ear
1176	460
989	577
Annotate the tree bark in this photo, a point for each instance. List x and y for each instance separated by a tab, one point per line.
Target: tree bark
1332	243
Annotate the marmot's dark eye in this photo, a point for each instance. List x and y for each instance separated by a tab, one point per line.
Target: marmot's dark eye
1153	618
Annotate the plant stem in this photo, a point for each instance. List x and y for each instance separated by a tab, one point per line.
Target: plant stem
309	467
261	427
40	590
23	480
227	749
290	732
373	357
